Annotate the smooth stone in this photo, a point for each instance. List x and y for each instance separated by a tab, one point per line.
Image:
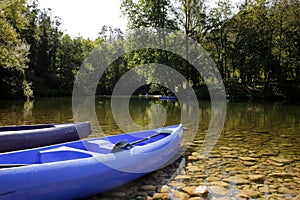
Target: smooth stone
182	177
275	163
196	198
286	145
189	190
119	194
164	189
281	175
297	169
236	180
221	198
210	179
229	156
219	183
193	158
285	190
148	187
269	153
226	148
161	196
176	184
195	168
248	193
297	197
280	160
263	189
253	155
248	159
214	156
200	191
256	177
219	190
180	195
199	141
248	163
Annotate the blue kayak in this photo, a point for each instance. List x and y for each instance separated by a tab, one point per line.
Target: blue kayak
84	168
168	98
31	136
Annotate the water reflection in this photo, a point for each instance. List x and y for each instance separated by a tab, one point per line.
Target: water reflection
255	139
27	109
274	118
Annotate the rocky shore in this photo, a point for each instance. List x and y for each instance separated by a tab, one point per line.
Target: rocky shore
242	166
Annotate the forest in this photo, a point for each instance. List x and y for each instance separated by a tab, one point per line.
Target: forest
256	47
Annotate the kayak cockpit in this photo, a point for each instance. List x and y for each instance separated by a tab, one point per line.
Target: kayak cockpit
77	150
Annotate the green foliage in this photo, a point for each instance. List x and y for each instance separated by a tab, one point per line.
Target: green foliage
13	50
256	50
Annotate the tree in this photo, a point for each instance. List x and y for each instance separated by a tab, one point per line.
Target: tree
13	50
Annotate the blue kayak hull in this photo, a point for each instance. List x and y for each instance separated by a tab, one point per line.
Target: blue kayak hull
80	169
31	136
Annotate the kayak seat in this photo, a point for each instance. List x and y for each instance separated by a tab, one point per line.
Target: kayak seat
99	146
63	153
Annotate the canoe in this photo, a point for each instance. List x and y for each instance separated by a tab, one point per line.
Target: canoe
84	168
168	98
30	136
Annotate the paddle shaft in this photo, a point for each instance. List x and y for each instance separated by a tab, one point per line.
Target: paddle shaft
144	139
123	145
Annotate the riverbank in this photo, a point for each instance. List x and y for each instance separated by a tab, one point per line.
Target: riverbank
243	165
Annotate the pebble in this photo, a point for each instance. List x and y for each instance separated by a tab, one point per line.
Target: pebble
218	190
161	196
148	187
177	195
256	178
248	193
200	191
164	189
285	190
248	159
236	180
236	169
280	160
297	197
183	177
176	184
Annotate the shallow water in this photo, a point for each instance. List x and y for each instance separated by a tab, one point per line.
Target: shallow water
257	139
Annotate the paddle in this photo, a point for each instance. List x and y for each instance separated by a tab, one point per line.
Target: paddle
125	145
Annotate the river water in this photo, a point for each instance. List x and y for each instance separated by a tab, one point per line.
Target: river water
257	156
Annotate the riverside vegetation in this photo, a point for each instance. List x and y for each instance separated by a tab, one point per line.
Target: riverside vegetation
255	47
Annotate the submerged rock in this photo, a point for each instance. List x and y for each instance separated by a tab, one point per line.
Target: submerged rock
288	191
256	177
200	191
248	193
177	195
280	160
236	180
161	196
219	190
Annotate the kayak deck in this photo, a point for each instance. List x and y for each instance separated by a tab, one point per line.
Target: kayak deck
74	150
13	138
80	169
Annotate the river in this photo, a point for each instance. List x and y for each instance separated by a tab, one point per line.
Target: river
257	155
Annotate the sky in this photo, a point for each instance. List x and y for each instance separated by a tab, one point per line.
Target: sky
86	17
